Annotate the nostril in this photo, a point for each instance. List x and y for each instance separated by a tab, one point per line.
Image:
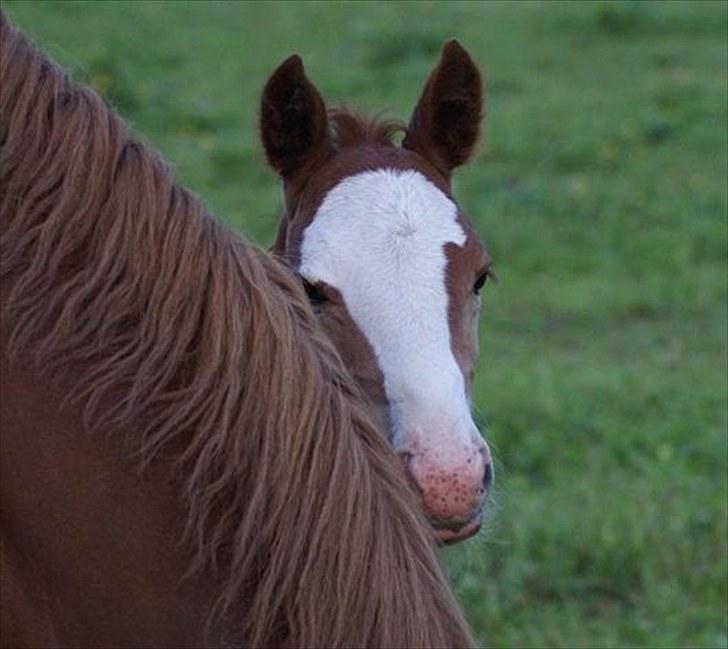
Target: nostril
485	453
488	477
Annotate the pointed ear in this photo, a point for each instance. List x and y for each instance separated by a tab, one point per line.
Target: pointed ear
446	121
293	122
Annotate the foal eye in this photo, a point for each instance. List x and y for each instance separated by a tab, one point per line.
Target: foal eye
480	282
315	292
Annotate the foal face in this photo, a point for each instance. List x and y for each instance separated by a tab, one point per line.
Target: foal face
393	270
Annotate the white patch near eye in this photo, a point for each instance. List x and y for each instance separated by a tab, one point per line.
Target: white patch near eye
379	239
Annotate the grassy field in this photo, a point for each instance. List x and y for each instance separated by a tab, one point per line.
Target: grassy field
600	190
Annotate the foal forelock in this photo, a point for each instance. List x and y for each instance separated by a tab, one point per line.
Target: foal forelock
195	343
379	238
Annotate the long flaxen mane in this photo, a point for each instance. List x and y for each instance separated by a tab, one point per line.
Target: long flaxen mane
207	349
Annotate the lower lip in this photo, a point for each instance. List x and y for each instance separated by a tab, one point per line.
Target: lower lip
449	536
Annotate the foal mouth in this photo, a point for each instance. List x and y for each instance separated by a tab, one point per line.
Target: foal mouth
449	533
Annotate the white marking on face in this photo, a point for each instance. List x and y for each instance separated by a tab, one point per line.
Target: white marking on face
378	238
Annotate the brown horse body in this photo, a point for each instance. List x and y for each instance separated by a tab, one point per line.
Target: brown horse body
185	459
90	549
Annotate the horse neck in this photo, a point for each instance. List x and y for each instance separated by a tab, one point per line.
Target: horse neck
111	570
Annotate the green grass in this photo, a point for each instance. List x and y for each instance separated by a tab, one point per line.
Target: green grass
601	192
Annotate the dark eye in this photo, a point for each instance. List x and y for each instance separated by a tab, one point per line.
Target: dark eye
480	282
315	292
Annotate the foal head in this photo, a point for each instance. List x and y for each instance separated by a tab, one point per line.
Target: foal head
392	266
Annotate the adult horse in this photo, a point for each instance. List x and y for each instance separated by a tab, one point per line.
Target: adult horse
185	459
393	266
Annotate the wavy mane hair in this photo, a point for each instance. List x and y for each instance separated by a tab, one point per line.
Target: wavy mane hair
352	128
207	349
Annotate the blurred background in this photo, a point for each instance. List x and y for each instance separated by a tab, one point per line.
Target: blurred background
600	191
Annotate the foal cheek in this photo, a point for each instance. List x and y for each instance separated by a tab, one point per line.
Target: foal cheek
357	354
464	339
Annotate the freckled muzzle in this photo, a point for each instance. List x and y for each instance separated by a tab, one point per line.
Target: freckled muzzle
453	490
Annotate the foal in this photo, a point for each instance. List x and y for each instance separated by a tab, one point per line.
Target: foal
393	267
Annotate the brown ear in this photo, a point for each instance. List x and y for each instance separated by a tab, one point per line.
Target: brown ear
293	121
446	121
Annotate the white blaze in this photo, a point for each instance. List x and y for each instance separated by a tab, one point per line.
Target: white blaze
379	239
